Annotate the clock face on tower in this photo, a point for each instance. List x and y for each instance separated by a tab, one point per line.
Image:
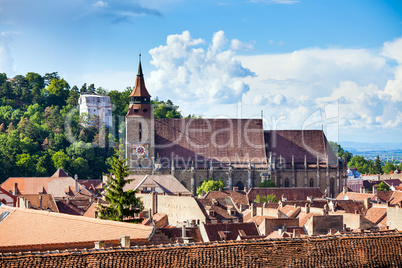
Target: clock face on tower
140	151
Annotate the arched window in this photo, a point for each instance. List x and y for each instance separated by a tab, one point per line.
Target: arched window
311	182
286	182
139	132
332	187
240	185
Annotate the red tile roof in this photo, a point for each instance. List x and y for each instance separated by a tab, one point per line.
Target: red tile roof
238	197
297	193
47	203
376	214
25	227
395	198
230	231
220	206
60	173
359	250
300	143
222	140
175	234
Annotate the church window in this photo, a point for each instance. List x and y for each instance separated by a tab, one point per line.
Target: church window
140	132
287	183
311	182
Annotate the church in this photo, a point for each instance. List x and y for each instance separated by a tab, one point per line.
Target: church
239	151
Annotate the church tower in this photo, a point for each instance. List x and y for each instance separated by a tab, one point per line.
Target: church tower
140	135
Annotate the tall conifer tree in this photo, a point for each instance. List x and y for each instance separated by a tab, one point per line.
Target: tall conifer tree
122	206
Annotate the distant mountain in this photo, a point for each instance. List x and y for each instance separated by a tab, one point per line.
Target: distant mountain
382	149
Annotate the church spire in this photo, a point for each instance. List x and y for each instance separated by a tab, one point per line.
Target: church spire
139	89
140	99
140	69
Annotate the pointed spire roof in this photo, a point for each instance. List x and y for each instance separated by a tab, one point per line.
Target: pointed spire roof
60	173
139	89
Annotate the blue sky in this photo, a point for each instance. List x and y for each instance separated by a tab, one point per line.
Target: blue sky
331	64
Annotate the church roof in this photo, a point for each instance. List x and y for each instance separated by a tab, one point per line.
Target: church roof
220	140
139	89
299	143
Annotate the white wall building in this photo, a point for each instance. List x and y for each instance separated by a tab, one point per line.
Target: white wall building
99	105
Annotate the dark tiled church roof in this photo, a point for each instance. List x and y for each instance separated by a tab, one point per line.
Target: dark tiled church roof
375	250
222	140
299	143
296	193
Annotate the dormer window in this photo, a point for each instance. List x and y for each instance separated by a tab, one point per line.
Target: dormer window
145	110
135	110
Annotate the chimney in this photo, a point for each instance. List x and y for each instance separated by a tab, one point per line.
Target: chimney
332	232
40	201
367	203
99	244
125	241
307	206
183	230
345	189
374	189
154	199
220	189
235	189
362	190
280	231
15	189
76	183
252	208
296	233
27	203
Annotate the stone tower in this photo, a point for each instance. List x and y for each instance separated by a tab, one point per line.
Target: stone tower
140	135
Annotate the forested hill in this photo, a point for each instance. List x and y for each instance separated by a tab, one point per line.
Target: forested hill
40	128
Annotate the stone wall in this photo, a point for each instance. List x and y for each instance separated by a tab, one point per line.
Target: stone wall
394	217
375	250
177	208
320	225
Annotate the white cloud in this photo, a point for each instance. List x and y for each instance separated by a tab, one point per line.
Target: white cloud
367	85
100	4
236	44
292	89
190	74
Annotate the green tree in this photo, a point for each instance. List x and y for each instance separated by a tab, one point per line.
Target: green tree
122	206
60	160
165	109
382	186
388	168
267	184
271	198
377	165
210	185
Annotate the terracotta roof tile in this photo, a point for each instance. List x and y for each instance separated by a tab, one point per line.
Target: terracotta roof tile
161	183
220	207
24	227
300	143
354	196
222	140
333	251
238	197
376	214
175	233
297	193
47	203
60	173
231	230
395	198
